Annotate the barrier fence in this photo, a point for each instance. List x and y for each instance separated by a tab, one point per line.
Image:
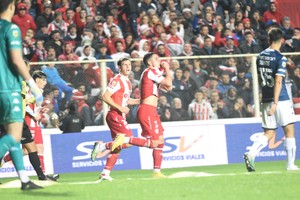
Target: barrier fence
73	72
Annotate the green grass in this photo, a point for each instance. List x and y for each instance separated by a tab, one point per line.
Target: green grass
233	183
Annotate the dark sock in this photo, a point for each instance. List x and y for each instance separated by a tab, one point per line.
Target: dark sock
41	157
36	164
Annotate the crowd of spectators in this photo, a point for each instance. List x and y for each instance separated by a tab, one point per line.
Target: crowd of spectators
91	30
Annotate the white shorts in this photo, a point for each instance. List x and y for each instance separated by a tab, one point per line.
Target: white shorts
284	115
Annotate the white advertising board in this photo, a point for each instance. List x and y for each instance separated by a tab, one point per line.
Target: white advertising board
190	145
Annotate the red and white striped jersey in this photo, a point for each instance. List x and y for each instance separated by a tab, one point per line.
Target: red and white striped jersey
121	89
63	27
175	44
31	110
200	111
149	82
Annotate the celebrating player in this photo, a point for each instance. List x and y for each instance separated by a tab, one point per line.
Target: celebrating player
148	117
117	96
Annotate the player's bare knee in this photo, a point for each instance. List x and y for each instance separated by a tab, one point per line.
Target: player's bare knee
161	140
155	143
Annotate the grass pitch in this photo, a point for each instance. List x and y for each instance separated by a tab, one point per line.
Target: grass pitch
224	182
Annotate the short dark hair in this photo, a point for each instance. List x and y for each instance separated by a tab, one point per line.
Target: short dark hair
38	74
207	37
4	4
186	69
147	57
117	42
121	61
204	25
73	106
275	35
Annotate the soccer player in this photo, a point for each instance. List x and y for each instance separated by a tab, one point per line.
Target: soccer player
276	104
152	130
117	96
34	115
12	70
27	139
152	78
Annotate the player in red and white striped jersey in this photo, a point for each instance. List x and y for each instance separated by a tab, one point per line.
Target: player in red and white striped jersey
117	96
152	130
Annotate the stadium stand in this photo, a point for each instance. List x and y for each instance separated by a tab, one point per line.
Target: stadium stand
85	30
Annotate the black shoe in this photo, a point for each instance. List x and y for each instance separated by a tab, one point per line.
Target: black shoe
53	177
30	186
249	162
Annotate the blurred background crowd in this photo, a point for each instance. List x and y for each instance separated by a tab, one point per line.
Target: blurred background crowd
203	89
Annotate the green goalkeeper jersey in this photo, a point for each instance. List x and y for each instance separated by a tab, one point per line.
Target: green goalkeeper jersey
10	39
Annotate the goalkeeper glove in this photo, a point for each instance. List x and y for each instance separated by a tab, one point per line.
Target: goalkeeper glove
35	91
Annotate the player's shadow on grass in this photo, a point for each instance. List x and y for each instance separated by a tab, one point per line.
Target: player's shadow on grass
40	193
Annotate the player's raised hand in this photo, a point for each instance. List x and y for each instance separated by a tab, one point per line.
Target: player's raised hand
37	93
165	65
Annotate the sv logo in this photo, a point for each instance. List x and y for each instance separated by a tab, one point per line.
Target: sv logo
173	143
85	148
273	144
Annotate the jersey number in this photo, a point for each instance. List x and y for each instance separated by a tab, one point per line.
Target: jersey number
266	77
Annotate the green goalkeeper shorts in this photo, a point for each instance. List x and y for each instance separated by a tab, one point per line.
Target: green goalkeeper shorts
11	109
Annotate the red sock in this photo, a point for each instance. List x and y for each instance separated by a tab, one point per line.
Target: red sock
157	156
111	161
141	142
7	158
41	158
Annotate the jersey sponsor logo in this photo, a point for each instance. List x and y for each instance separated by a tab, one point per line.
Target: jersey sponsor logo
15	43
113	84
16	109
270	58
126	96
283	64
15	33
16	101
